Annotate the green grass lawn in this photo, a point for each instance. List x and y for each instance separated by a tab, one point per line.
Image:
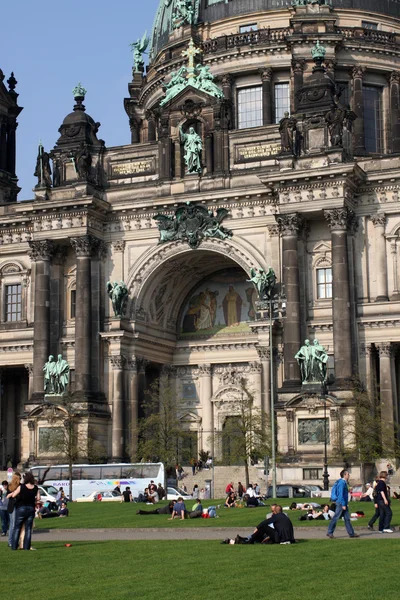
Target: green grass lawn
203	570
115	514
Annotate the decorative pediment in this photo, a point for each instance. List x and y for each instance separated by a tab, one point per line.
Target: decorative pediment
312	402
48	412
190	96
190	417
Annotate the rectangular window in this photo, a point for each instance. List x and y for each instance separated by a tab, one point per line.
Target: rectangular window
373	118
250	107
369	25
13	302
248	28
324	283
312	473
73	304
281	100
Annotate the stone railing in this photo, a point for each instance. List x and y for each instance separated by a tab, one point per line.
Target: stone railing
279	35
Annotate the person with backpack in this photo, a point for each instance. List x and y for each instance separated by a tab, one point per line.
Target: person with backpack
340	495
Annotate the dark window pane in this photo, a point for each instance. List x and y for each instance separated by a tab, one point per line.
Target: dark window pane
13	302
73	304
250	107
373	120
111	472
281	100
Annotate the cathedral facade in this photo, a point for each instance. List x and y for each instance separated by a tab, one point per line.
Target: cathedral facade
263	134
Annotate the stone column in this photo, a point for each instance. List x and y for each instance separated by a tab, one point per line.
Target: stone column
133	406
358	108
3	143
32	440
264	355
41	252
339	220
11	146
386	394
379	222
83	246
256	371
206	405
117	436
395	111
289	226
29	368
298	65
266	78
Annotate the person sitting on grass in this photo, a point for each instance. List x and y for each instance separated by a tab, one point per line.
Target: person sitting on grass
278	529
251	501
63	512
197	510
153	497
230	501
160	491
306	506
165	510
179	510
127	495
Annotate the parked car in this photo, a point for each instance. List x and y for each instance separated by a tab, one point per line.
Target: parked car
48	493
314	491
175	493
289	490
102	496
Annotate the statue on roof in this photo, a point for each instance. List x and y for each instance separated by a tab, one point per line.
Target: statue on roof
183	13
204	81
139	48
43	169
177	83
318	51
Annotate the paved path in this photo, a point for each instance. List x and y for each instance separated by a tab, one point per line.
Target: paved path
192	533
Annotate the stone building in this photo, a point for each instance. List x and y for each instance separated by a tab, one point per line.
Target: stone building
313	193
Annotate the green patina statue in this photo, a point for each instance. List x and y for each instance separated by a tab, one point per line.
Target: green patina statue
199	77
263	282
193	147
139	48
79	91
118	294
318	51
192	223
56	376
183	13
312	360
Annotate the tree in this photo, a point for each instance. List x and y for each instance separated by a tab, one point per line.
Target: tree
160	430
246	434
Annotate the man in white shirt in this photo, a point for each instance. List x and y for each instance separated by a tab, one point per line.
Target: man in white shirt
368	494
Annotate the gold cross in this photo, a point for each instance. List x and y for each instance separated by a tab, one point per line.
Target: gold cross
191	53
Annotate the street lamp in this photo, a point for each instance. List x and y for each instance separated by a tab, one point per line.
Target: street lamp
325	475
272	308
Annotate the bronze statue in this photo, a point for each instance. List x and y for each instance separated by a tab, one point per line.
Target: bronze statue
43	169
312	360
287	125
56	375
263	282
193	147
118	294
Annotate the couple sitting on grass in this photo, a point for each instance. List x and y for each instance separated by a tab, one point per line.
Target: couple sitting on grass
177	509
277	528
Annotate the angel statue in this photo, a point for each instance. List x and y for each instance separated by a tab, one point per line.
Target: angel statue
167	227
118	294
139	48
263	282
214	227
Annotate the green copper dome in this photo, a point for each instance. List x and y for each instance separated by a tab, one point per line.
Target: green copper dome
208	11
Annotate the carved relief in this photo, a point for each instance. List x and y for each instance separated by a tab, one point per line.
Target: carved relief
290	224
41	250
85	245
340	219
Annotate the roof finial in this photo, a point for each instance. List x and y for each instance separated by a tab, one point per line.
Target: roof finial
79	93
12	82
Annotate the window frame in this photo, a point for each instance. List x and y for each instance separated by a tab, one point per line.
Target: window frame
248	28
324	283
274	103
13	273
242	89
19	295
380	147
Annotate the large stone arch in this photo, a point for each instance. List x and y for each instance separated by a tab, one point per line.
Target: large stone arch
171	270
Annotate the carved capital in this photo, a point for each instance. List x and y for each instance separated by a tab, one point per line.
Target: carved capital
298	65
142	364
85	245
394	77
118	245
117	361
41	250
357	72
340	219
263	352
204	370
385	349
273	230
379	220
254	367
266	74
29	368
289	225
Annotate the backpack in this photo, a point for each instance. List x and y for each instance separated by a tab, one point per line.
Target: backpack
334	492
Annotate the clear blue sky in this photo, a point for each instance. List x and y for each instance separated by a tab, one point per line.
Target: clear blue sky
51	46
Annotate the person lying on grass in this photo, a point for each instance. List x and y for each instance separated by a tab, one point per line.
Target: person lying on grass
179	510
278	529
165	510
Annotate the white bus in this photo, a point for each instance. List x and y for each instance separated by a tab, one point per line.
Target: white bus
88	478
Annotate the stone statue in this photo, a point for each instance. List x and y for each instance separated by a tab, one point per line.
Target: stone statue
43	169
61	378
263	282
192	223
286	127
193	147
139	48
49	371
312	360
335	119
204	81
118	294
83	162
56	172
177	83
183	13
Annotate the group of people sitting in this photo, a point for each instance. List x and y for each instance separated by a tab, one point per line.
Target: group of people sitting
277	528
250	497
151	495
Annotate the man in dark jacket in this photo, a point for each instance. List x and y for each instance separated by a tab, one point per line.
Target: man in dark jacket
278	529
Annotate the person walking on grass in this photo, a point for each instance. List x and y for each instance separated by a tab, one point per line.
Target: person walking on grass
383	502
340	495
